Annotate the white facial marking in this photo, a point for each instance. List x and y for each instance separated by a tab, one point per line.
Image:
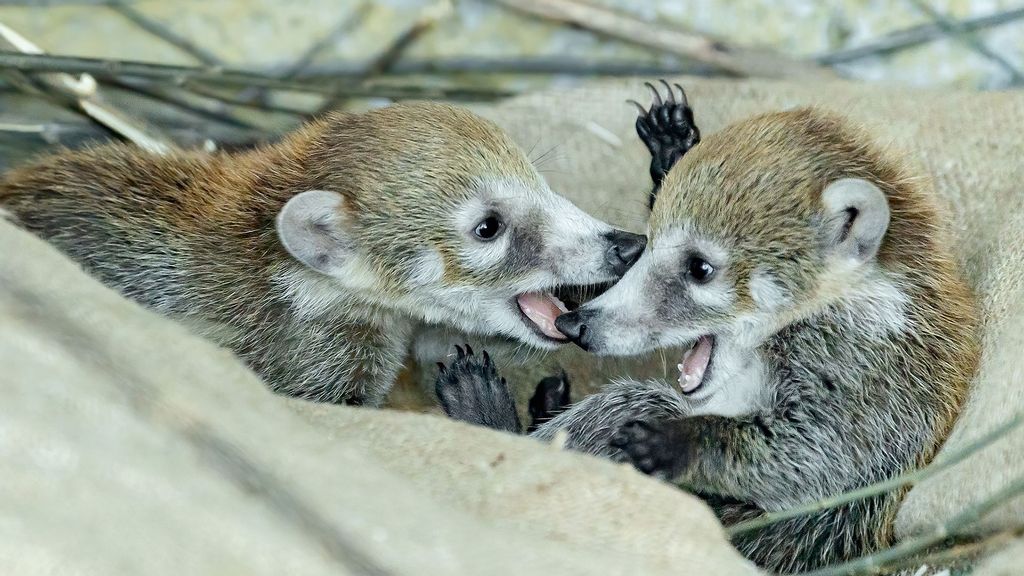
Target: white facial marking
313	293
767	294
876	305
426	269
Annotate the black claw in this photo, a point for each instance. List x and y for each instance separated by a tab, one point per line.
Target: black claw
459	351
668	89
469	350
487	358
441	367
682	95
657	96
639	106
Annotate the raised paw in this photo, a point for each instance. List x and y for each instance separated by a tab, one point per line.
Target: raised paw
651	448
549	399
667	129
471	390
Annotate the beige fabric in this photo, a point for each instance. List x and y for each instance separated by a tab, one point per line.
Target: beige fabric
128	446
969	144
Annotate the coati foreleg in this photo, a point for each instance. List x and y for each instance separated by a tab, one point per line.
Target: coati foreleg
551	397
471	390
668	131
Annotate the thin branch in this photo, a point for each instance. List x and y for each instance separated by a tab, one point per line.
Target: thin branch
877	562
350	22
946	557
731	60
202	106
969	39
164	33
107	69
428	18
915	36
941	463
202	90
343	27
529	65
82	95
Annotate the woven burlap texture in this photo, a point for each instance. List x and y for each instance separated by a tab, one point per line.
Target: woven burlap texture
128	446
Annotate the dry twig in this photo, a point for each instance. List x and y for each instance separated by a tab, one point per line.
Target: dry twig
915	36
393	52
82	93
107	69
956	30
731	60
164	33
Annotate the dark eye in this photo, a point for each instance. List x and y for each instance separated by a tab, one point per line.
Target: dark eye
699	269
489	228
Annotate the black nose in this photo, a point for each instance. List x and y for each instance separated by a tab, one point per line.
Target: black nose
625	250
574	326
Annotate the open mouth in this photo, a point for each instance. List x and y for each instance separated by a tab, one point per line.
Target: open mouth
541	309
696	364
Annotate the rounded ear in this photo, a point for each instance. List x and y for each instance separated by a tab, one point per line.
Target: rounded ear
312	229
856	218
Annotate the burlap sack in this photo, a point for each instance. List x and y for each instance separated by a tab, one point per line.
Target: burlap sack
128	446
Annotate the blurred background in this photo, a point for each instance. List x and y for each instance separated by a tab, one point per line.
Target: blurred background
225	73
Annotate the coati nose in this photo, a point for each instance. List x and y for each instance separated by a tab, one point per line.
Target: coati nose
625	250
574	326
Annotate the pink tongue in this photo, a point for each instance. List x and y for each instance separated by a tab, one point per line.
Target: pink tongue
542	308
695	362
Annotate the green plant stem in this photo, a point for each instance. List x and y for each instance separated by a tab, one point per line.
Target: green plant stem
942	463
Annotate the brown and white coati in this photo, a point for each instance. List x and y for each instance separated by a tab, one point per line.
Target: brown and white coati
314	258
831	337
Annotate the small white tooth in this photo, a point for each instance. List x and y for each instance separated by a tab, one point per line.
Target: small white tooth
680	367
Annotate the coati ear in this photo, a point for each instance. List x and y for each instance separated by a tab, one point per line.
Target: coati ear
312	229
856	218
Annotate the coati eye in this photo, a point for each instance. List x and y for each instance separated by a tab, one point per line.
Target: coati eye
699	269
489	228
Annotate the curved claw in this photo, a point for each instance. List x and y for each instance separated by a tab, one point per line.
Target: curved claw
459	351
487	358
441	367
657	96
643	111
469	350
682	94
671	94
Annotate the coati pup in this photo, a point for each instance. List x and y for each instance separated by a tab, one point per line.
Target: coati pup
314	258
830	336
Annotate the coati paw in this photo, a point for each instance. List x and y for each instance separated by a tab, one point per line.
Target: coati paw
549	399
652	449
667	129
471	390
